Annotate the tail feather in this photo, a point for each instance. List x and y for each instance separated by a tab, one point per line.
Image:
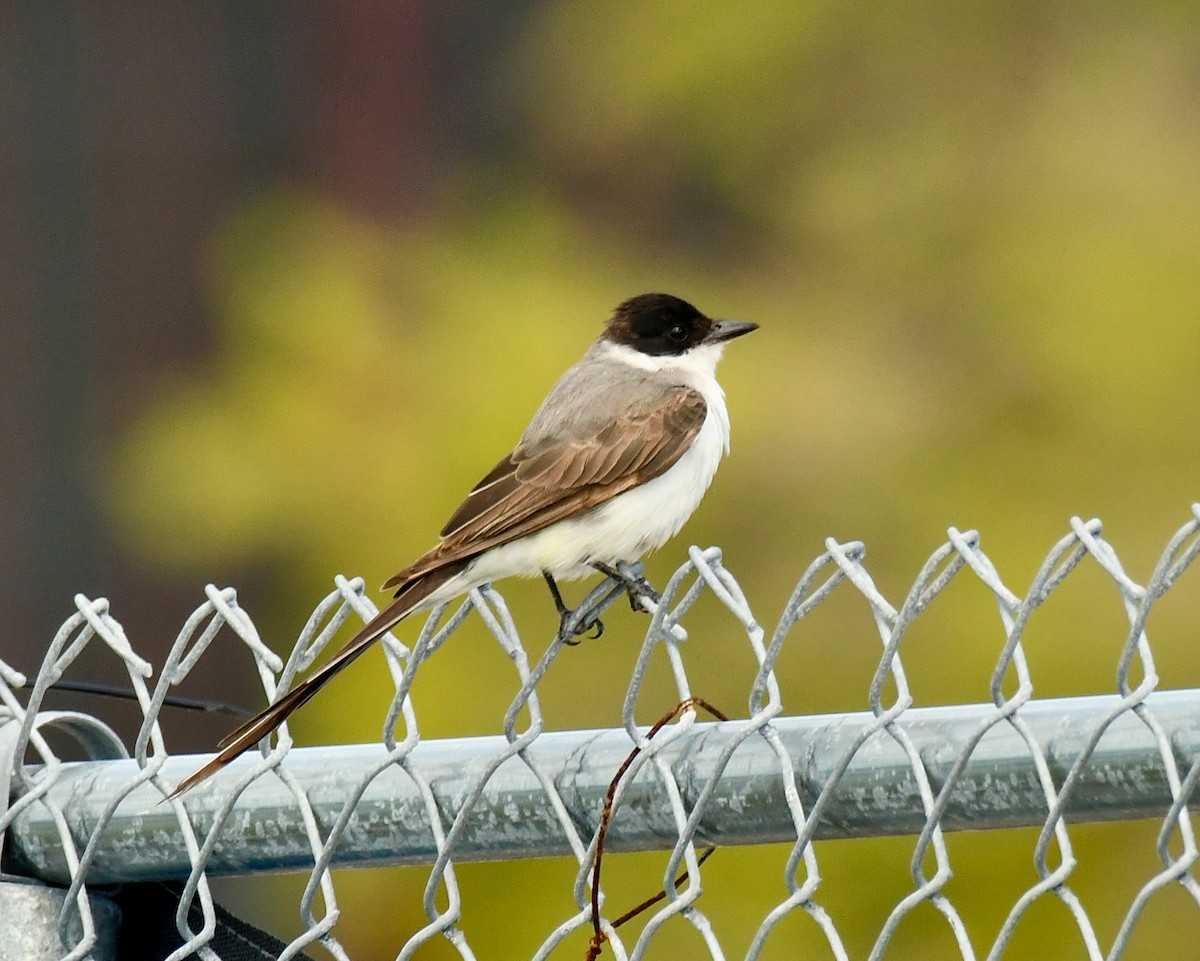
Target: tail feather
407	600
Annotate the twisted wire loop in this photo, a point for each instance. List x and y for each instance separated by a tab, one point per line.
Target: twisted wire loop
530	791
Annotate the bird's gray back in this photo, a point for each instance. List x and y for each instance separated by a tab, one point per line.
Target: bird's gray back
589	396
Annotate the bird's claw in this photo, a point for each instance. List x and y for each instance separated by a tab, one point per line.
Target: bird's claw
568	632
639	588
570	635
636	586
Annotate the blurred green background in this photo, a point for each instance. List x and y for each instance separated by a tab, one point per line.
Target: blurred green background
284	279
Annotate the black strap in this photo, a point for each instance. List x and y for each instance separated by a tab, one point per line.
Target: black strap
148	927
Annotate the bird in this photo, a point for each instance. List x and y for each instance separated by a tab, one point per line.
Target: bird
611	466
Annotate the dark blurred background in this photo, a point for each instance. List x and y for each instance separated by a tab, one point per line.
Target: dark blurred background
279	281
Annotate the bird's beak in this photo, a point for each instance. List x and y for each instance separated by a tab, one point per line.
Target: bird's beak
724	330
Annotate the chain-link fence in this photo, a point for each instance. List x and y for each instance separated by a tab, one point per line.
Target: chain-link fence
766	777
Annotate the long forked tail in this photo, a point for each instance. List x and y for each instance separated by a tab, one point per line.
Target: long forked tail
408	599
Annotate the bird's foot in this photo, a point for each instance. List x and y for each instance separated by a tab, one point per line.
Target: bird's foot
568	630
636	585
570	635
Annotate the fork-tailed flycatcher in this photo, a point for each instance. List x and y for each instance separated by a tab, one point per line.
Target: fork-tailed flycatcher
611	466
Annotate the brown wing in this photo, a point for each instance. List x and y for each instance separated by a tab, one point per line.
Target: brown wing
535	486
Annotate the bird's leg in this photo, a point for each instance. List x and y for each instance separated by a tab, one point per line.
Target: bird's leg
565	614
636	586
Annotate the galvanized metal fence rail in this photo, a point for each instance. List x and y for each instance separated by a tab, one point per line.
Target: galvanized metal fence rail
892	769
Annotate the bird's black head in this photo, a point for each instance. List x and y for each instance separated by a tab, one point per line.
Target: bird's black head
661	325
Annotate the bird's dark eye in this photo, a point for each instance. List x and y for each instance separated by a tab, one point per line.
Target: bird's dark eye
678	333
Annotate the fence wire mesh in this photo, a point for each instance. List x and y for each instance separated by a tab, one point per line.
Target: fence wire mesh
892	769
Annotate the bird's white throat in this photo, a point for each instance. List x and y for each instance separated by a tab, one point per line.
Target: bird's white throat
697	368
